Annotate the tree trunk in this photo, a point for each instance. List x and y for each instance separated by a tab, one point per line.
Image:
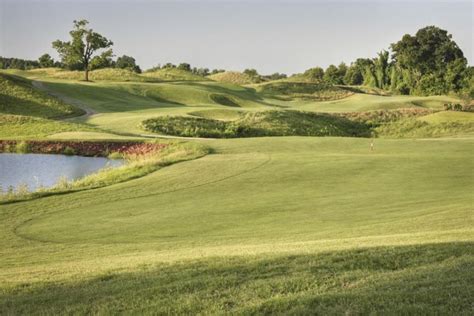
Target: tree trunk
87	73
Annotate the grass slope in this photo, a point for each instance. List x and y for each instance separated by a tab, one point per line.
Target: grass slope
18	127
173	74
19	97
233	77
297	228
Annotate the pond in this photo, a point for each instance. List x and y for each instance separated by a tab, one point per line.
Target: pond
42	170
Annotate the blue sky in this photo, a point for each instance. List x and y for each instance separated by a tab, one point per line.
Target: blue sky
284	36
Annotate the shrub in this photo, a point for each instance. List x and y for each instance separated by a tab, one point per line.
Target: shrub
69	151
22	147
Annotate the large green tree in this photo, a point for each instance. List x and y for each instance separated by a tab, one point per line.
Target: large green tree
428	63
79	51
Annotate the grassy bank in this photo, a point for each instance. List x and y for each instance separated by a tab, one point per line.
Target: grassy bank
141	159
258	124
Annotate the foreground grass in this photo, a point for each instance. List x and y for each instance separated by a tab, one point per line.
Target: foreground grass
422	279
269	225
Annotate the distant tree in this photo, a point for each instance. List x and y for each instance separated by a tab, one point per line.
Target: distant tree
81	49
251	72
104	60
355	73
201	71
316	73
17	63
184	66
45	61
276	76
342	70
332	75
128	62
168	66
216	71
382	72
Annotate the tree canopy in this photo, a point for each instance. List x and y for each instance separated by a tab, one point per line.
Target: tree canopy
79	51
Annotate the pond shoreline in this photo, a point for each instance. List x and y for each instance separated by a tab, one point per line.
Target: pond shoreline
81	148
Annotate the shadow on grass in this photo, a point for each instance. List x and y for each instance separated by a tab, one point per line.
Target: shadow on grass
105	99
421	279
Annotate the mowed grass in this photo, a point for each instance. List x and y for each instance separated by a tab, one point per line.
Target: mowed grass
287	225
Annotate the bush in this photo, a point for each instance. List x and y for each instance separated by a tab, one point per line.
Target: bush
22	147
69	151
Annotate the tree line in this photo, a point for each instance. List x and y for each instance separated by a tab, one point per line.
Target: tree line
427	63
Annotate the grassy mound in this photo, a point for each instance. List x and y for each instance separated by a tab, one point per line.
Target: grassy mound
365	90
267	123
218	114
448	116
415	128
17	96
172	74
233	77
223	99
106	74
314	91
17	126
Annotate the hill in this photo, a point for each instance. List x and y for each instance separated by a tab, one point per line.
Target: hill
255	124
233	77
290	90
172	74
18	96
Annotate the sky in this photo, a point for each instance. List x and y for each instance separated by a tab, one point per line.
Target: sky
270	36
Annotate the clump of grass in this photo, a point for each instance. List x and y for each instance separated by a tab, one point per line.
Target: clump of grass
22	147
115	155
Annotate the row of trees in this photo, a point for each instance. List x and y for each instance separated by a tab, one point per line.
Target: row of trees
187	67
428	63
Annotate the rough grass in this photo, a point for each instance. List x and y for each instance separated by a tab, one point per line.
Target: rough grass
258	124
315	91
106	74
265	226
173	74
17	96
415	128
448	116
233	77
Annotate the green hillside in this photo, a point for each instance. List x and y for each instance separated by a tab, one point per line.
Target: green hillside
18	96
233	77
172	74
